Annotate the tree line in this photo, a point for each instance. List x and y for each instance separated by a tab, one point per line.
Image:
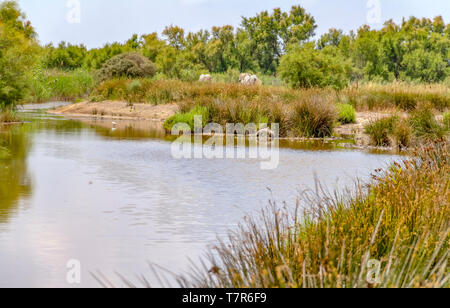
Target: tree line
281	43
276	43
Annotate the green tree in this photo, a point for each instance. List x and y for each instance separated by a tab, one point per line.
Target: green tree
175	36
18	53
307	67
271	34
424	66
65	56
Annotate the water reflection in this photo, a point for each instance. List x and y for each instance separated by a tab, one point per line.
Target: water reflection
15	181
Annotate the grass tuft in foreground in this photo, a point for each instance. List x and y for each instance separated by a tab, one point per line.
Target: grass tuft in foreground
401	222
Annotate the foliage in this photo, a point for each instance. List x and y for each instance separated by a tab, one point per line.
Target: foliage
18	49
346	113
8	116
130	65
307	67
279	42
271	34
65	56
58	85
406	96
313	118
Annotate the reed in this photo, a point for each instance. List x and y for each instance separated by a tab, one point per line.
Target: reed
399	222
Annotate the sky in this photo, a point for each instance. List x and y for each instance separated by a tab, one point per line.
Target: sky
103	21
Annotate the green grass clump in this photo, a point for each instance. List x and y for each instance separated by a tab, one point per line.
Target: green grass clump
346	113
188	118
401	223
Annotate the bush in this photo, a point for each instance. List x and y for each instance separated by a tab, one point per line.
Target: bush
381	130
131	65
346	113
314	118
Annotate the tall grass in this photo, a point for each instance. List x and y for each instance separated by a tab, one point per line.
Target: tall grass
370	96
8	115
397	95
304	113
380	131
400	221
420	126
59	85
313	118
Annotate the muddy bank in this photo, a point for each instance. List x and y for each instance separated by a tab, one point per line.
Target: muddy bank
118	110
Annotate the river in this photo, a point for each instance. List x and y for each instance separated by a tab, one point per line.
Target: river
112	196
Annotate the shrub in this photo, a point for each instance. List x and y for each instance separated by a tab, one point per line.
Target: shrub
381	130
346	113
313	118
131	65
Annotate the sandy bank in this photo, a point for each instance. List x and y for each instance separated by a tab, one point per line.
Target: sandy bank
118	110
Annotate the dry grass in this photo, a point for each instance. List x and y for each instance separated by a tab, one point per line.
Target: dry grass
396	95
300	113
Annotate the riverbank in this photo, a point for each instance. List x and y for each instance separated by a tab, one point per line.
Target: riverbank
118	110
121	110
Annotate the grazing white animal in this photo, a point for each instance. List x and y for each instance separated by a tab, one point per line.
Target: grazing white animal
243	76
205	78
250	80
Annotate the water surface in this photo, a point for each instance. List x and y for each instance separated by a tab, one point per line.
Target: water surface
112	197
